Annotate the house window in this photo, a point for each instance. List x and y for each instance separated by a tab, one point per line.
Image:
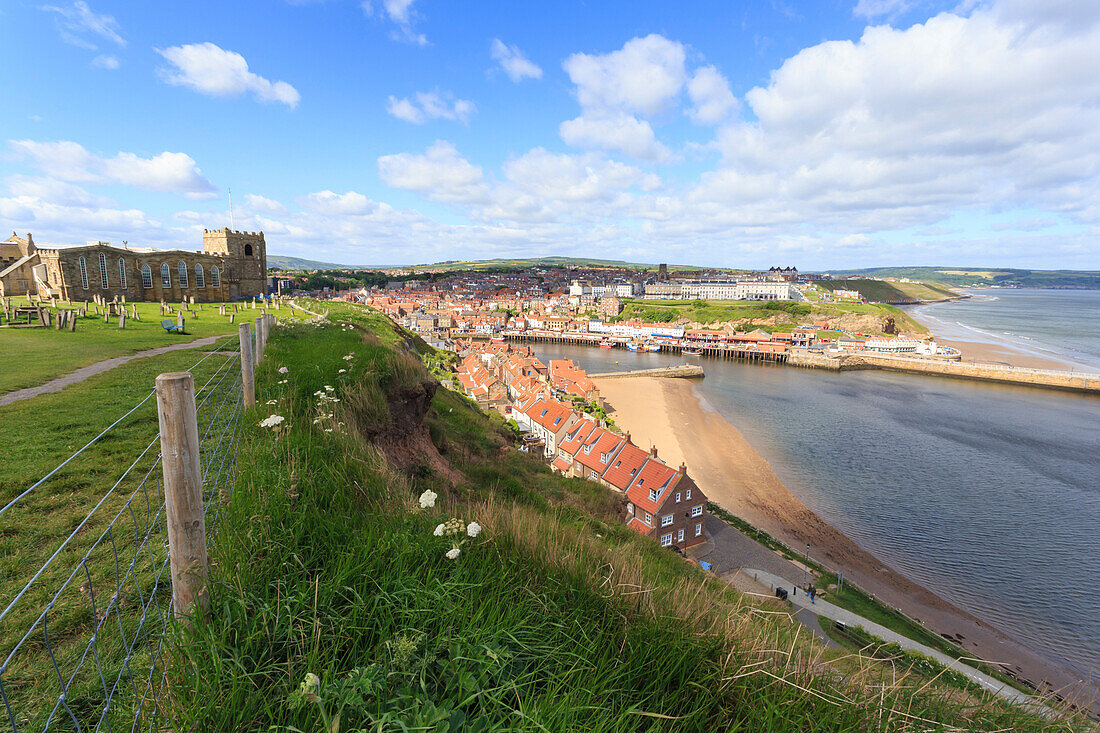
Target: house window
165	275
146	277
248	250
122	273
215	276
677	497
697	511
654	495
688	495
666	539
649	519
680	536
666	520
103	270
83	273
200	277
182	267
698	529
630	509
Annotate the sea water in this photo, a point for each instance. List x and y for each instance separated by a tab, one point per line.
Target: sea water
988	495
1059	324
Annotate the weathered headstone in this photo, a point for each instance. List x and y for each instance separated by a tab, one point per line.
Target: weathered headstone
122	320
232	317
60	321
180	322
72	321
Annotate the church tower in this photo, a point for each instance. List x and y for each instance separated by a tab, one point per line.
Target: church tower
246	259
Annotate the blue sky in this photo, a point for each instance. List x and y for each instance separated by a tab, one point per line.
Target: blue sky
823	134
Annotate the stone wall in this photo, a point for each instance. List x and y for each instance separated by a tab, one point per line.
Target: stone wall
65	281
1073	381
247	256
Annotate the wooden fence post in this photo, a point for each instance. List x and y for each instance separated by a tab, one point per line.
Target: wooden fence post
259	340
186	519
248	379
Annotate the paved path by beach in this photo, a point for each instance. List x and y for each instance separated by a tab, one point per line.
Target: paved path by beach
836	613
56	385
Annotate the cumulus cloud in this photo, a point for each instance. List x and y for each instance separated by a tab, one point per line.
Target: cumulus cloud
401	13
871	9
350	203
517	66
81	26
613	132
433	105
711	96
643	76
263	204
214	71
440	172
69	161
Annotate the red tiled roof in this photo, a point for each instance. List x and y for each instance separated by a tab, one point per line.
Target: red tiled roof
599	442
561	464
550	414
639	526
576	436
652	475
624	468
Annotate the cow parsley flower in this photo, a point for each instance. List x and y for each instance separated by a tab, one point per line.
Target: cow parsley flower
329	388
342	371
272	421
282	370
473	529
439	529
272	402
452	554
427	499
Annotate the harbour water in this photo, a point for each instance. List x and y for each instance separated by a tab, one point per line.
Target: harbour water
1058	324
988	495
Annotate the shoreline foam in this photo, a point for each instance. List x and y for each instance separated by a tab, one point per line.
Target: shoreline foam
671	415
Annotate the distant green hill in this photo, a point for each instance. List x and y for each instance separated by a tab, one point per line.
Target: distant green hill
297	263
549	262
897	293
978	276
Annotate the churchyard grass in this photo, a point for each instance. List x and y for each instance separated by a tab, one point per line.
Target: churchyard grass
33	356
39	433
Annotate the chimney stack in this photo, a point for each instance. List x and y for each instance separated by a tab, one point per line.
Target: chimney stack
627	436
683	468
653	451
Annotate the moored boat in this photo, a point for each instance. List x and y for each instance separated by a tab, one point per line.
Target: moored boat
632	346
691	352
652	347
605	344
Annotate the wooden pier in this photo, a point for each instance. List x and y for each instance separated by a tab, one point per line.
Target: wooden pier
716	351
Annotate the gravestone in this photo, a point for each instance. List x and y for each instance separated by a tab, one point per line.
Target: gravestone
122	320
232	317
60	323
180	322
72	321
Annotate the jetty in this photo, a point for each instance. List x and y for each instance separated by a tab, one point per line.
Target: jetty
1001	373
681	371
740	352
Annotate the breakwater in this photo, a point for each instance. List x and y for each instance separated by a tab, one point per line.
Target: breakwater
683	371
1046	378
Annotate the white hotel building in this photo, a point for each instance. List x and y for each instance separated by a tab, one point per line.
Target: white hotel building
720	290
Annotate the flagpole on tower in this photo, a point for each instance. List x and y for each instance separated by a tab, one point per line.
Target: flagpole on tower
231	224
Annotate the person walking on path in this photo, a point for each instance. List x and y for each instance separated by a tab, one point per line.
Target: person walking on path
813	592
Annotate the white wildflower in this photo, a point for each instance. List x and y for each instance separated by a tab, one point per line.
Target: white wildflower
272	402
452	554
282	370
329	388
342	371
427	499
271	421
473	529
283	381
439	530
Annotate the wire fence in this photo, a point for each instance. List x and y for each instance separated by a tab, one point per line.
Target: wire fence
83	637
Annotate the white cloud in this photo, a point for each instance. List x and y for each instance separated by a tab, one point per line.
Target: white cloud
351	203
263	204
613	132
105	61
710	93
80	26
644	76
431	106
401	13
517	66
880	8
209	69
440	173
69	161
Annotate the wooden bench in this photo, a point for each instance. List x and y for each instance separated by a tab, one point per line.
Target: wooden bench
170	326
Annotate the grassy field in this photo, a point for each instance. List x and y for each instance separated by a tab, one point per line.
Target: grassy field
708	311
33	356
80	583
553	617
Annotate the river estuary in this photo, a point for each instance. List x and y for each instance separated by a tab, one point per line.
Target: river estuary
988	495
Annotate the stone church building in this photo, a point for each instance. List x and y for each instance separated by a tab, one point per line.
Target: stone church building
231	265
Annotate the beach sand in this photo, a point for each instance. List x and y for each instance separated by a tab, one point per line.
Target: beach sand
988	353
670	414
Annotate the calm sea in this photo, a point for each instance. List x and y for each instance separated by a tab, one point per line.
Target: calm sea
1061	324
988	495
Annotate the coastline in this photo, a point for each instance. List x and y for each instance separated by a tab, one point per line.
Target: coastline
670	414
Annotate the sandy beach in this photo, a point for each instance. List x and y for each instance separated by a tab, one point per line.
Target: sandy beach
988	353
670	414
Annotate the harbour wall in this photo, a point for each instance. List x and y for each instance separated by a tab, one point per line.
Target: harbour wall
684	371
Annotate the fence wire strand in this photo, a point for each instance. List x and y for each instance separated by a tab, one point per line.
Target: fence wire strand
83	639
